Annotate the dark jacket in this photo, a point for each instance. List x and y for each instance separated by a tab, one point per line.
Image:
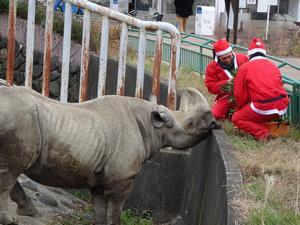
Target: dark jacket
184	8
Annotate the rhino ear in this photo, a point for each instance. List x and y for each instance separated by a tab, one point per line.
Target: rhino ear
161	116
191	97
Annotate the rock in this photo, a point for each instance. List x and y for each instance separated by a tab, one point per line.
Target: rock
3	55
22	67
55	88
30	185
48	200
2	71
19	77
38	57
37	84
20	60
74	69
68	204
3	42
54	75
52	203
37	71
26	220
55	64
73	92
56	190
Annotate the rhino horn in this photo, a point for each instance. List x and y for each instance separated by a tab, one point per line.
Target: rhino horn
190	98
161	116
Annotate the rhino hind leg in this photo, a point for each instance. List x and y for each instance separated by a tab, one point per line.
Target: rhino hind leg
7	182
25	206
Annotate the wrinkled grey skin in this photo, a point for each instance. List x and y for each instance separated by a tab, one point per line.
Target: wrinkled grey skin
99	144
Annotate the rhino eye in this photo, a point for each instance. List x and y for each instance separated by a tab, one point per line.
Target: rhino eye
190	123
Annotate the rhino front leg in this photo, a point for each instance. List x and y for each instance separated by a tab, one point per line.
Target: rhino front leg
25	206
7	182
116	200
108	204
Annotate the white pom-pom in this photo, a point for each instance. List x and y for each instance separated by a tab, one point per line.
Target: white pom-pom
258	43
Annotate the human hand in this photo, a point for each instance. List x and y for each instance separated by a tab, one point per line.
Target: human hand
230	81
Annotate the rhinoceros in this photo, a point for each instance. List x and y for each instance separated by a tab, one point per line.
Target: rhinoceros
99	144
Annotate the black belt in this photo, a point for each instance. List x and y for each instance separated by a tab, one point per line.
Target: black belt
272	99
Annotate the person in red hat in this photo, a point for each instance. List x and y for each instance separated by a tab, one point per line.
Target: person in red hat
219	75
259	93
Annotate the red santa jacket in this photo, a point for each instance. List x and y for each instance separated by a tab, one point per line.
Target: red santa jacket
259	83
216	77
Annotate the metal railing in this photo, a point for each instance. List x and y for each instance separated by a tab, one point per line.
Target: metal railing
196	53
107	15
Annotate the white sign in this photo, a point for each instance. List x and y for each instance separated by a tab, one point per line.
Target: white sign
114	5
251	2
205	20
243	4
262	5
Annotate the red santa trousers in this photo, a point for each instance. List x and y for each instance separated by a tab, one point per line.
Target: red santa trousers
251	122
221	108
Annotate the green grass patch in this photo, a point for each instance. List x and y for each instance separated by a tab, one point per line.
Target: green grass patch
269	216
257	190
84	195
82	216
129	218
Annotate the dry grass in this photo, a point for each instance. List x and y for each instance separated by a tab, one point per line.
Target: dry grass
114	37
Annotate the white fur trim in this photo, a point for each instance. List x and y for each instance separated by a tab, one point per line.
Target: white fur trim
228	74
268	112
254	50
257	57
235	62
227	50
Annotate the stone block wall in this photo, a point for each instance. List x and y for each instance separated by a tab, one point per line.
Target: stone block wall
55	76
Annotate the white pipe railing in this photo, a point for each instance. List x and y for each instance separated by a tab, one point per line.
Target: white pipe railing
106	14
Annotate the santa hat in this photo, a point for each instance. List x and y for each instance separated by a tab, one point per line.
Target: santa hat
256	45
222	47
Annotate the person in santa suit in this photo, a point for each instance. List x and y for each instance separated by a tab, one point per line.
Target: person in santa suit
219	74
259	93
